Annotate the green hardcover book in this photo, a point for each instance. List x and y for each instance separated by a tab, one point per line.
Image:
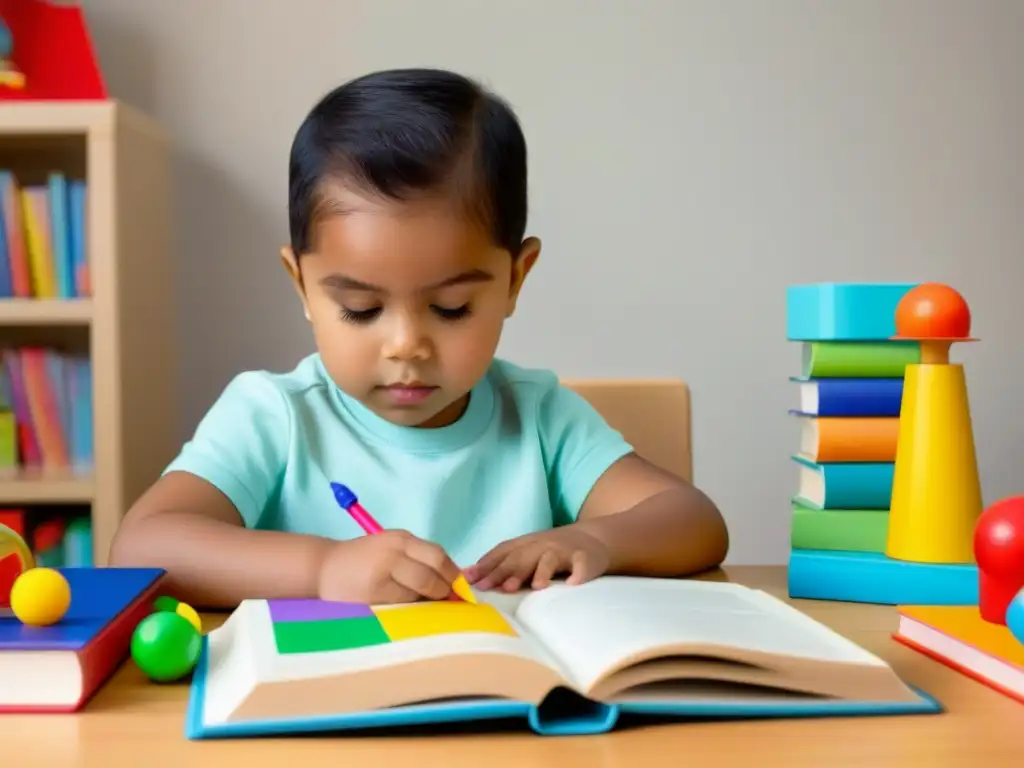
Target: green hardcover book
858	359
851	530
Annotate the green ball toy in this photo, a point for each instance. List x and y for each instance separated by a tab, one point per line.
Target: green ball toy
165	646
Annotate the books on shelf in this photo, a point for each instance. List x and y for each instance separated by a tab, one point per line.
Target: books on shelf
43	252
564	660
48	396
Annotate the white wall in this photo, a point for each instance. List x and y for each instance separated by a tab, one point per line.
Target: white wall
689	161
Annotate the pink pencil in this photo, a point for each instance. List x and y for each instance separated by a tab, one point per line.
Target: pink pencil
348	501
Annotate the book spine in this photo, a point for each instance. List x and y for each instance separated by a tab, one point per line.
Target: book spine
859	397
848	530
14	235
60	237
877	360
855	439
865	485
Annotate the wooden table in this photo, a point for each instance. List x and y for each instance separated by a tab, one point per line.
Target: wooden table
132	722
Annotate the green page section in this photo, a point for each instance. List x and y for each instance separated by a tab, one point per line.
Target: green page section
852	530
859	359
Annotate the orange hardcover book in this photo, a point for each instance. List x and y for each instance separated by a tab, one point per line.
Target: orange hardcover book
848	439
957	636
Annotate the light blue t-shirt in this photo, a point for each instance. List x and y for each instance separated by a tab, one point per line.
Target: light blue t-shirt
522	458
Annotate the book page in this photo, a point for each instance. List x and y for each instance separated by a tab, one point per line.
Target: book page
291	640
595	626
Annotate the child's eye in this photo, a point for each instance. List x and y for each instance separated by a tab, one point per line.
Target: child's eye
456	313
359	315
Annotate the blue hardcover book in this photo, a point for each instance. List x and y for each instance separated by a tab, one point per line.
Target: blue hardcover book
76	225
60	236
6	276
563	660
849	397
862	485
843	311
62	665
870	577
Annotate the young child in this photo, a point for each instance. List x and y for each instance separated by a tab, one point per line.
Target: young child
407	207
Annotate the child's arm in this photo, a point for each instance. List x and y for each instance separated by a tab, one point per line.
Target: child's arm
653	523
202	521
614	511
637	520
186	526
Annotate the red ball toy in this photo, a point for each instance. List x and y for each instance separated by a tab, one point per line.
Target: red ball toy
999	552
933	311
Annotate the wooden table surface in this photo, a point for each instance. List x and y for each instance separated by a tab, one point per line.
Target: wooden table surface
132	722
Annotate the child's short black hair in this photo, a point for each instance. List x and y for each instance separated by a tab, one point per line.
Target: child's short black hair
407	132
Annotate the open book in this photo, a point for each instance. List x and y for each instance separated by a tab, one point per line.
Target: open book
567	658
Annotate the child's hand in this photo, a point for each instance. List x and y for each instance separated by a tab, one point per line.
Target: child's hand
389	567
536	558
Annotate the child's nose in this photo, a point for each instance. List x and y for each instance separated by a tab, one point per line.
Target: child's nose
407	341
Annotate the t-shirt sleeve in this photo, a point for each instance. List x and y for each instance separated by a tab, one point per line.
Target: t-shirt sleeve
579	446
241	444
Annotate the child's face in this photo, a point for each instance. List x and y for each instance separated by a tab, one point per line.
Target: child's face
407	303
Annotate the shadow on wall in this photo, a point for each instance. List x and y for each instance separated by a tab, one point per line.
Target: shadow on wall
236	309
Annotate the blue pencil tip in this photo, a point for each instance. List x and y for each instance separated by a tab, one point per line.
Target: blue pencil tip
343	495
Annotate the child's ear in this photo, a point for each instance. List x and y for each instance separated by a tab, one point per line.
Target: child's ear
521	266
291	265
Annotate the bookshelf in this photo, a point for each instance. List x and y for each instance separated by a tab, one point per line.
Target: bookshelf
125	323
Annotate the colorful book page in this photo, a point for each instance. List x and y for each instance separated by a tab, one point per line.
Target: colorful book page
317	626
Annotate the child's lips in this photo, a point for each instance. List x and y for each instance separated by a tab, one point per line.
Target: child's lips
409	394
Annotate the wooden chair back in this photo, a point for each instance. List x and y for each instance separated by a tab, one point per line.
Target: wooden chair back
652	414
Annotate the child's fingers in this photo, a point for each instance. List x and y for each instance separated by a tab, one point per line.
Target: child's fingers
512	572
433	557
547	567
421	579
490	560
583	568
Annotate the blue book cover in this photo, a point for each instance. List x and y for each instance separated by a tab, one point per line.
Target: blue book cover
279	667
81	448
6	277
870	577
60	236
849	397
843	311
98	597
76	227
862	485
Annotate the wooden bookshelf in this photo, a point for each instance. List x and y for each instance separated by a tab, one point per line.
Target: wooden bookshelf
127	324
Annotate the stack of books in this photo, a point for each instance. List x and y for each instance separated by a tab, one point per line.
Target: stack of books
848	416
43	252
850	399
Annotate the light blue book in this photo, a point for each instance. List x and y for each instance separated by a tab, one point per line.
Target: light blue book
844	485
563	660
843	311
870	577
60	236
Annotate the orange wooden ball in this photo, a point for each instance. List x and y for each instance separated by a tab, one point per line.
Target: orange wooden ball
933	311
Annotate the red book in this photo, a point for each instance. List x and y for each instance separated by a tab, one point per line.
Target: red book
58	668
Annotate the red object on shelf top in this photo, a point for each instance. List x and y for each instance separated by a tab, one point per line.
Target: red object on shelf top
41	29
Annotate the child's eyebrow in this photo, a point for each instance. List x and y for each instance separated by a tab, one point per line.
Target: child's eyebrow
344	282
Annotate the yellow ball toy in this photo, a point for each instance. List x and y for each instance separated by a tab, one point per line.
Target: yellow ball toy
40	597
